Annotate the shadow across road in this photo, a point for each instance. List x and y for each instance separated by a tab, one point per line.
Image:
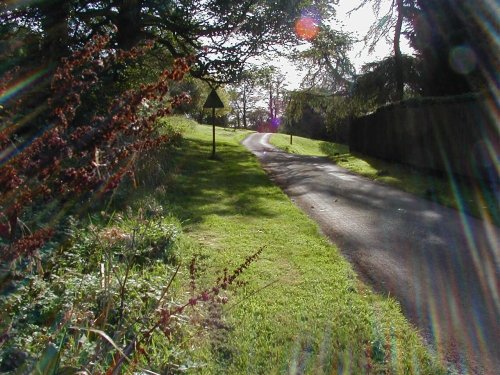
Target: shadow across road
440	264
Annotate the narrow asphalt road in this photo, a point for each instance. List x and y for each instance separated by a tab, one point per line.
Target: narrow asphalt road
441	266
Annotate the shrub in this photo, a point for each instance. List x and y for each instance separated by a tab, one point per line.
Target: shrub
72	160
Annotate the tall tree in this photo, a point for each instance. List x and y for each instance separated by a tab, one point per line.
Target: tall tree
329	74
377	85
390	26
222	34
326	62
129	22
459	51
273	83
245	95
398	56
54	21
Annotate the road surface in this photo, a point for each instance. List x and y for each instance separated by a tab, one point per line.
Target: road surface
441	266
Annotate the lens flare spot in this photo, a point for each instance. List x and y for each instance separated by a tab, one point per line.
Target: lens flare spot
463	60
306	28
275	123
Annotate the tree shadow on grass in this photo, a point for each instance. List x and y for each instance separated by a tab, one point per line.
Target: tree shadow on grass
333	150
472	197
231	184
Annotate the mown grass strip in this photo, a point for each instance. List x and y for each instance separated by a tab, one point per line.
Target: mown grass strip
302	309
476	199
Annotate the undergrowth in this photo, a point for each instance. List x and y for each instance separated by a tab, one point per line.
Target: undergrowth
200	266
112	293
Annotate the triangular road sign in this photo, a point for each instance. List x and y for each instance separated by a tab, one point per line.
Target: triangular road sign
213	100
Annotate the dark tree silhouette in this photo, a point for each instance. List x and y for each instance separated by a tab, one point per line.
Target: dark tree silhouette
222	34
457	51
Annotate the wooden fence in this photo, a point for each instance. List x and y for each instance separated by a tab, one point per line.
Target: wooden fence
458	135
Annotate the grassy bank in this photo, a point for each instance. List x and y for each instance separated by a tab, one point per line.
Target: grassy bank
476	200
133	276
301	308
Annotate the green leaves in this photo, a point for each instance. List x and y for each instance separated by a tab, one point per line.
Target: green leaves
377	83
48	362
329	67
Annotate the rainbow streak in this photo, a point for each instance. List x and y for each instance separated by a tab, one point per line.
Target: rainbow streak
20	85
484	18
12	151
485	276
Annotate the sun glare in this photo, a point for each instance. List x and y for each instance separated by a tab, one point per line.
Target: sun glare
306	28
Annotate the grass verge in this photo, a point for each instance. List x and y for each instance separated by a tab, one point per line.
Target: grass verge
133	277
476	200
301	308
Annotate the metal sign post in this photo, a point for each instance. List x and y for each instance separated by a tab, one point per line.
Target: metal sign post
213	101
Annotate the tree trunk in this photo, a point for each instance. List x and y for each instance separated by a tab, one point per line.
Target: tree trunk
244	108
271	106
129	23
398	57
55	15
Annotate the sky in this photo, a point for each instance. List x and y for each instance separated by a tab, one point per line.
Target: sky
358	23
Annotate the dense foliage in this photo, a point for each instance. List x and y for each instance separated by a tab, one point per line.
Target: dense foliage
455	54
68	170
376	84
458	50
327	65
75	158
222	34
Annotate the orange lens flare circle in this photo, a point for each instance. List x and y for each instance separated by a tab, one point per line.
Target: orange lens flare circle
306	28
